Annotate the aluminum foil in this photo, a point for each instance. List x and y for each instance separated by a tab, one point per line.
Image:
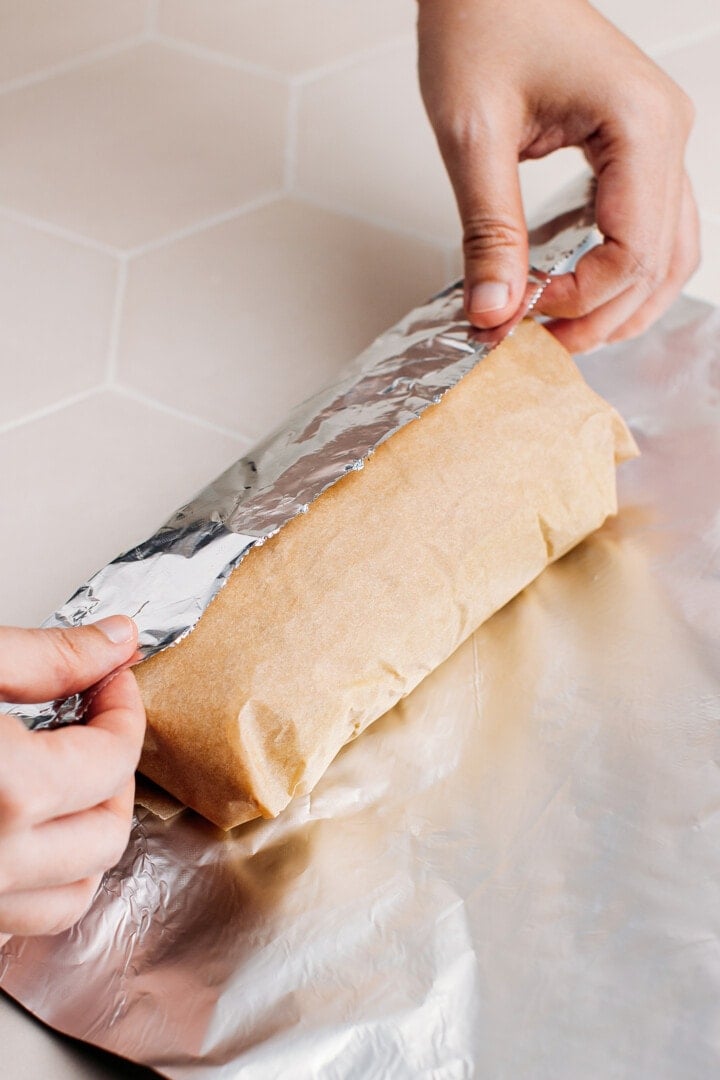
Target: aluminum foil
167	582
513	874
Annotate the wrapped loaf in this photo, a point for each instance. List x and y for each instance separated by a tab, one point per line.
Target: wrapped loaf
325	626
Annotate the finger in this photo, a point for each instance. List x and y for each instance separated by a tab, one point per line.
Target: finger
630	314
483	169
591	331
48	774
46	911
39	665
684	262
638	218
67	849
108	708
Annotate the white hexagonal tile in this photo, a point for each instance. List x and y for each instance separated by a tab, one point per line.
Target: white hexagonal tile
140	144
37	34
103	474
56	301
365	143
289	36
241	321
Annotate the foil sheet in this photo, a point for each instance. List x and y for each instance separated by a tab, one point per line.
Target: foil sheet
513	874
167	582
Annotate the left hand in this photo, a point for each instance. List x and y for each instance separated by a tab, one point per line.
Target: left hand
66	796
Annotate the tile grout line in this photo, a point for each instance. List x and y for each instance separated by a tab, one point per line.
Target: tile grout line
59	231
200	52
83	60
115	322
362	55
48	410
684	41
206	223
62	233
162	406
388	225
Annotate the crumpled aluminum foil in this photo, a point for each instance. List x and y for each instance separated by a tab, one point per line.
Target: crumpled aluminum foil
515	873
167	582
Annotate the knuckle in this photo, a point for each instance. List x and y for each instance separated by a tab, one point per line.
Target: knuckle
658	102
657	107
685	108
486	234
568	299
670	101
659	90
460	131
642	274
581	305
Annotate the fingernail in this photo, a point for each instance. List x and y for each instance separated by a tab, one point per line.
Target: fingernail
118	629
490	296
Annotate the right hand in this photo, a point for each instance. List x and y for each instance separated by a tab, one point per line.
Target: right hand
66	796
504	82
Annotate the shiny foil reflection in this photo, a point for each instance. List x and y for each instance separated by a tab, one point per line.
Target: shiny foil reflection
514	873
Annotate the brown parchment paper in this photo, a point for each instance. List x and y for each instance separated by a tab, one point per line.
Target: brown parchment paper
325	626
515	873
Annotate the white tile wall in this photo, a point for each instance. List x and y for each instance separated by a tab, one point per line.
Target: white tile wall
231	323
286	36
36	35
125	149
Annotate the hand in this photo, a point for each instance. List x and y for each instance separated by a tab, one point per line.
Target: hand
66	796
505	81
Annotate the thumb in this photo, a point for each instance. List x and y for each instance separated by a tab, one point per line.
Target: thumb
39	665
495	242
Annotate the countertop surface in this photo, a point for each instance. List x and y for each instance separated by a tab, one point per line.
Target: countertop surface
201	220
